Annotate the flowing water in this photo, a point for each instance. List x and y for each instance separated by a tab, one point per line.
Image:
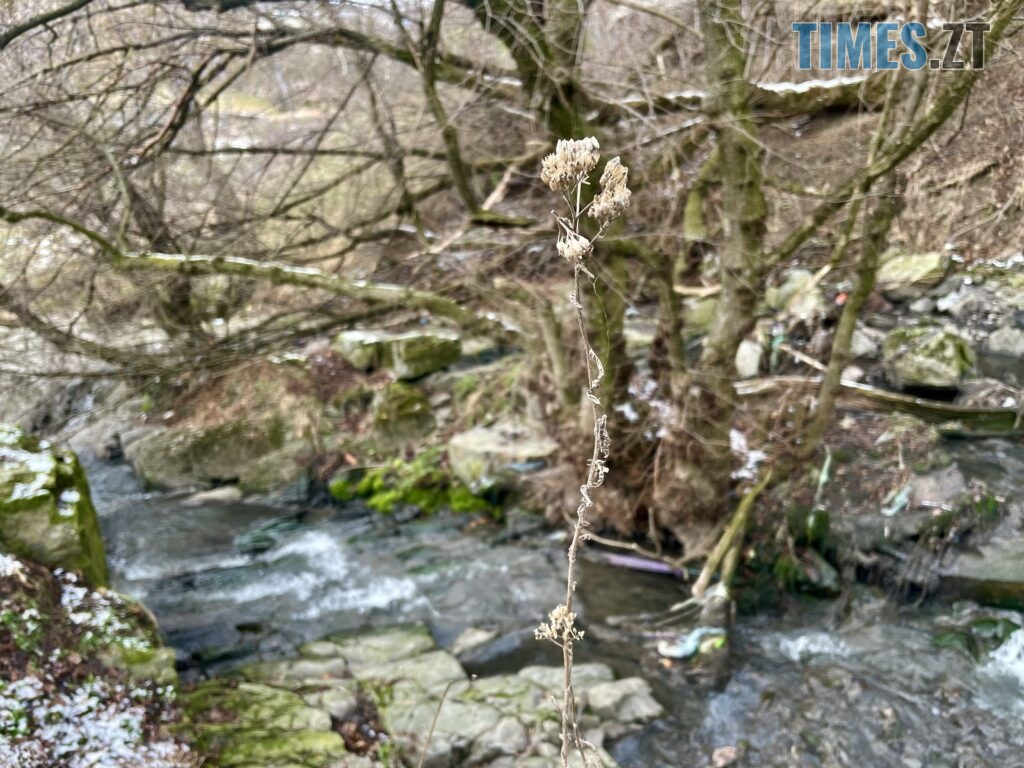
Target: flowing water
233	582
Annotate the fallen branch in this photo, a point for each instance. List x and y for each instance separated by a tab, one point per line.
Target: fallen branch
726	551
864	396
287	274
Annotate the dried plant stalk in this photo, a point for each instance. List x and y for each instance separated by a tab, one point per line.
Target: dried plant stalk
567	171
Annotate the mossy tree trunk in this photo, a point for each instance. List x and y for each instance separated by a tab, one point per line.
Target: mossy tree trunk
694	476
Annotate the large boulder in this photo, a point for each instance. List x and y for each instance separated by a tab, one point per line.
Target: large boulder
409	355
926	357
46	513
195	457
906	276
485	456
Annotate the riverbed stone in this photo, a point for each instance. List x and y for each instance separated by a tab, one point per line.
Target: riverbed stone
459	721
905	276
625	700
418	689
991	574
1008	340
46	511
507	737
431	671
926	357
296	673
372	647
340	701
550	678
495	455
865	342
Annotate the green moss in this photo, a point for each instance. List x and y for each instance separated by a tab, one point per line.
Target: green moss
465	386
425	482
401	411
252	723
312	748
46	513
24	626
976	637
810	527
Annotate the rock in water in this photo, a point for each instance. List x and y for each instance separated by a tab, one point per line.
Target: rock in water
992	575
46	513
926	357
903	277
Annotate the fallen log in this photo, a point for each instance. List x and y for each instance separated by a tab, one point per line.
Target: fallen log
972	420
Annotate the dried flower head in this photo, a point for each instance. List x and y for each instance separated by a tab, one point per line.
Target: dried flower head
572	160
613	198
573	247
560	626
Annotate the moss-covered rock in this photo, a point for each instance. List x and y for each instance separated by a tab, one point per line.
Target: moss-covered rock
798	295
283	472
926	357
424	482
142	663
408	355
76	660
189	457
46	512
365	350
905	276
416	354
301	749
402	412
252	724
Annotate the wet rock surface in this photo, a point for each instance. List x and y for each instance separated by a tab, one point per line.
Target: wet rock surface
291	712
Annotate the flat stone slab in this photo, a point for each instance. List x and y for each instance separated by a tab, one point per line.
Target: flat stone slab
288	713
484	456
994	575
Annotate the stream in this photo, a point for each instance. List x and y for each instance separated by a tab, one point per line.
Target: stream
234	582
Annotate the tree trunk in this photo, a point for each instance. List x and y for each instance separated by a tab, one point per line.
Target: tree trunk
697	461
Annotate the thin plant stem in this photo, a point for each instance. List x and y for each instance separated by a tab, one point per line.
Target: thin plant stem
566	171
